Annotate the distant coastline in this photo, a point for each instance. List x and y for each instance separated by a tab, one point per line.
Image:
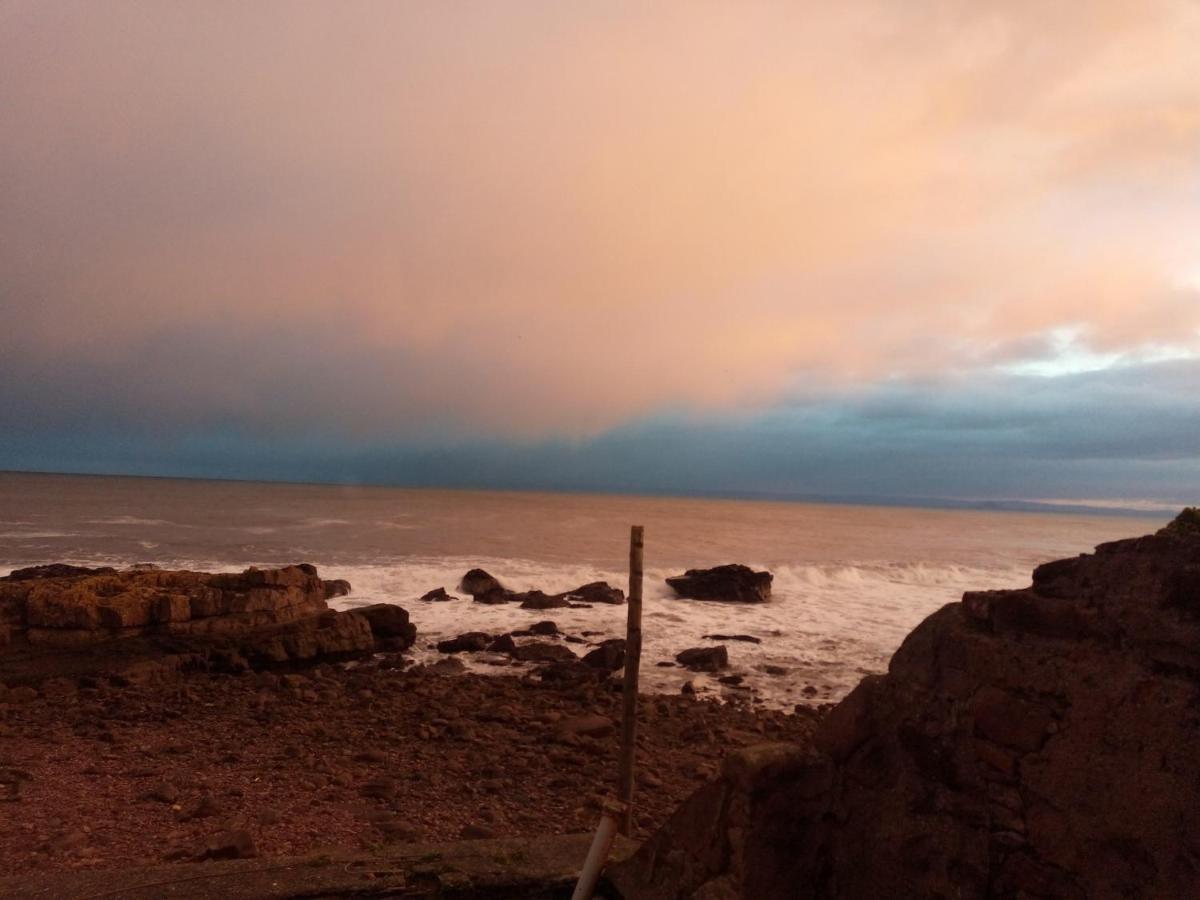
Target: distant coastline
1107	507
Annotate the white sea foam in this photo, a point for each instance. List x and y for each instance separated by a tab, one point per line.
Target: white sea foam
827	625
132	520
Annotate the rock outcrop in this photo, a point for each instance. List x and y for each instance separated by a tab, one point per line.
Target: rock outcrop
232	621
1024	743
729	584
485	588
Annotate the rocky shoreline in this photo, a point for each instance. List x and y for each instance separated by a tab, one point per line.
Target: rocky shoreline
151	716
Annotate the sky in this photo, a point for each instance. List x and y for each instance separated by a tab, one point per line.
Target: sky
874	249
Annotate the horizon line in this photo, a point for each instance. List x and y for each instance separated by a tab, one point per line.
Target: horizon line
1101	507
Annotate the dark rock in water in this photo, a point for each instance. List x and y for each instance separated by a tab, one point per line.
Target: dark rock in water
609	656
337	587
477	582
538	600
495	596
543	651
749	639
731	680
502	644
704	659
665	664
731	584
470	642
1024	743
548	628
389	621
596	592
777	671
437	595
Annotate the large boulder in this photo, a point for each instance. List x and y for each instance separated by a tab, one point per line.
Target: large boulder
1024	743
389	623
477	582
730	584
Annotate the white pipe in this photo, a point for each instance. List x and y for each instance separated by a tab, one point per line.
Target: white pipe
597	855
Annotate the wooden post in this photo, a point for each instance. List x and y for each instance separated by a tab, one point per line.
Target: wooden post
633	662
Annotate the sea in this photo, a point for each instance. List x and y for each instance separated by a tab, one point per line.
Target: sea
849	581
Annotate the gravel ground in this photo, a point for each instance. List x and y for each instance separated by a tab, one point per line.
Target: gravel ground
108	775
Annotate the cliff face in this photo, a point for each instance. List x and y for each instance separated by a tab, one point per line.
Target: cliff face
64	620
1025	743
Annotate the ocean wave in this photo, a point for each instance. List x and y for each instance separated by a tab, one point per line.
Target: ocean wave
133	520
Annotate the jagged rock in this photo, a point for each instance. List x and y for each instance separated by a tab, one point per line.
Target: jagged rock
1024	743
704	659
609	656
437	595
470	642
338	587
731	584
477	582
164	620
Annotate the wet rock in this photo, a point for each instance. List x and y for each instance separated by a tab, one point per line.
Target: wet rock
389	623
596	592
543	651
495	597
609	656
538	600
337	587
544	628
746	638
502	644
477	582
703	659
730	584
437	595
470	642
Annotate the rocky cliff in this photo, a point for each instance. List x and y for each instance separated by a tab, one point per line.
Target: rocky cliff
63	620
1024	743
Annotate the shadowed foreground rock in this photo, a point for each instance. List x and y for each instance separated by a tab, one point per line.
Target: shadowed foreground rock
1025	743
